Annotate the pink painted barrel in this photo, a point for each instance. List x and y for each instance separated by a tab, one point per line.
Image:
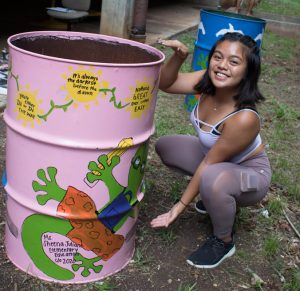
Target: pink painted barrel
79	117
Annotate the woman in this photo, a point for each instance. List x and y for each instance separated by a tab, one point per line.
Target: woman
227	161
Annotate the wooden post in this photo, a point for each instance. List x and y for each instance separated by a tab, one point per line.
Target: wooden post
116	17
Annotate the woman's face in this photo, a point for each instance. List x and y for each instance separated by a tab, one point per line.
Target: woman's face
228	65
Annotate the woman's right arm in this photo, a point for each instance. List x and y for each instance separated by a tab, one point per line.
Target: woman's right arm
171	81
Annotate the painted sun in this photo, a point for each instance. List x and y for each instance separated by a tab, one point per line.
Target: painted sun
82	85
140	99
27	106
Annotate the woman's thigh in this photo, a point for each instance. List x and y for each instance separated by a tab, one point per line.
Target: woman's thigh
180	152
246	184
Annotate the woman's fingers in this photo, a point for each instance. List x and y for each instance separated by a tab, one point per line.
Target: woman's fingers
176	45
162	220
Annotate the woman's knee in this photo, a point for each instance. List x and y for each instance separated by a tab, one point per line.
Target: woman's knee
216	182
159	146
163	148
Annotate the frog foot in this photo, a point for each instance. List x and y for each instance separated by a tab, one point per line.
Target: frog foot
102	169
86	264
50	186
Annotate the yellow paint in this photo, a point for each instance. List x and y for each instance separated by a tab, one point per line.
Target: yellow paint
123	145
83	86
140	99
27	106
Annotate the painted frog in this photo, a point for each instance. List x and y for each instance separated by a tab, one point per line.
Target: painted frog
79	220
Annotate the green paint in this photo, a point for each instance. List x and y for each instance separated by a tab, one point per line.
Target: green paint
53	191
113	98
33	228
135	177
106	176
53	106
86	264
202	61
16	77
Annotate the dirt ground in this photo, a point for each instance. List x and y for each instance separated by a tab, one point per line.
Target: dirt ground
159	262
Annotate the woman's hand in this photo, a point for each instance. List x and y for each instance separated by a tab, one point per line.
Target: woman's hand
164	220
179	48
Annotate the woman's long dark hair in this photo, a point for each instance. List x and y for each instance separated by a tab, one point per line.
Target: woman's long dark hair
249	93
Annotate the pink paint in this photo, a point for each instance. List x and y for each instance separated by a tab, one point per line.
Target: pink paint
65	113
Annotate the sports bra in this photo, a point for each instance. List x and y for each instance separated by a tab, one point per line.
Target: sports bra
209	138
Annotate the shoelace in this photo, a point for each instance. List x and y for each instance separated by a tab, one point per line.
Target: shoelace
215	243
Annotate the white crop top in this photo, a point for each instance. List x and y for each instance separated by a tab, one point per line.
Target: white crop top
209	138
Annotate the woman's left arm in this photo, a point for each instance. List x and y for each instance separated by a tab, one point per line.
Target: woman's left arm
237	133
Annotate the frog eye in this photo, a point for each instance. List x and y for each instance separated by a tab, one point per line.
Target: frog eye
136	162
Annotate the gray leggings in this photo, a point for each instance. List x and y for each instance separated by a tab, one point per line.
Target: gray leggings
223	186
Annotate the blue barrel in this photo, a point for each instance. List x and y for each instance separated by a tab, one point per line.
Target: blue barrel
213	25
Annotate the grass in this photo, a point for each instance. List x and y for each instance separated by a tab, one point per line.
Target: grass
106	285
293	282
177	189
271	245
168	236
188	287
243	254
141	261
282	132
280	7
282	48
281	138
276	206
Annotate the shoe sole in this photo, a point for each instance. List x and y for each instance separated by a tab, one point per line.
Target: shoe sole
229	254
200	210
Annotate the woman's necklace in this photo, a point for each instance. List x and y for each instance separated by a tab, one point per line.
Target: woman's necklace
215	106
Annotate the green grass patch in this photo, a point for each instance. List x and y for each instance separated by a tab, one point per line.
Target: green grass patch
275	206
270	72
168	236
171	117
280	7
141	261
281	136
188	287
243	254
293	280
177	189
282	48
271	245
106	285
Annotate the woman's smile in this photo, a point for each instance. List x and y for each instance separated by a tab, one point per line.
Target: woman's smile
221	76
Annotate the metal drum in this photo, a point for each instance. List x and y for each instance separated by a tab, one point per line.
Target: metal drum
79	117
213	25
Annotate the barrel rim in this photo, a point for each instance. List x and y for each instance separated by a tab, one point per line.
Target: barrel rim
233	15
74	34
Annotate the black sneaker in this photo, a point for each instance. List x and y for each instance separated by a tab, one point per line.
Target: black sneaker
199	206
211	253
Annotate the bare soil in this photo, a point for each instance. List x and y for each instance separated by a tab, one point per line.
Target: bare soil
159	262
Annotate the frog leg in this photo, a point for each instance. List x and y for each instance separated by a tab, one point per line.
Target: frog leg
33	229
50	187
86	264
